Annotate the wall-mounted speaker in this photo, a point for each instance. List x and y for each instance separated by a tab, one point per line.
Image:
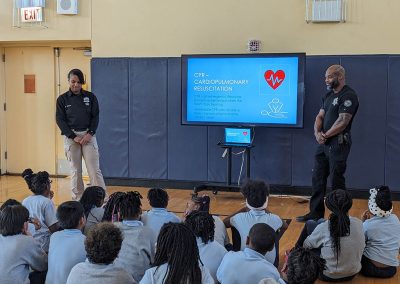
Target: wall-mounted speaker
67	7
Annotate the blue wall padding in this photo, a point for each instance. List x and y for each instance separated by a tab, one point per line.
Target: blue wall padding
392	155
111	85
148	118
141	135
368	75
304	144
187	146
272	158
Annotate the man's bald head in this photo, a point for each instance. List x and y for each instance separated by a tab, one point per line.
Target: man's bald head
335	77
337	70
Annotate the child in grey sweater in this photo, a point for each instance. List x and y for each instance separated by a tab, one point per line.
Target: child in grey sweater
19	251
341	239
138	247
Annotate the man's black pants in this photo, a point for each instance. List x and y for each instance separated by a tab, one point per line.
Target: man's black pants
330	159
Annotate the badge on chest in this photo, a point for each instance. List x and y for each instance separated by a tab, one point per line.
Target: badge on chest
86	101
335	101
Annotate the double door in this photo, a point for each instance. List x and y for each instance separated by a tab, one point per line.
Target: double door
32	138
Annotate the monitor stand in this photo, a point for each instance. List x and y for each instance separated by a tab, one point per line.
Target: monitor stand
228	186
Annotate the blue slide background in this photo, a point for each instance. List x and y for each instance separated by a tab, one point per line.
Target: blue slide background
238	135
251	100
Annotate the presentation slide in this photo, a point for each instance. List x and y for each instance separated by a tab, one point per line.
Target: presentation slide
247	90
238	135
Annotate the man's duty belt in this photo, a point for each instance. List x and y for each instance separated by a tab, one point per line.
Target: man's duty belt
343	138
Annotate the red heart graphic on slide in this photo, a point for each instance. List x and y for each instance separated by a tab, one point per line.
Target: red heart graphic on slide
274	79
244	133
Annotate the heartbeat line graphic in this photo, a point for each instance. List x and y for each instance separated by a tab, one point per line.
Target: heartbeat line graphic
273	80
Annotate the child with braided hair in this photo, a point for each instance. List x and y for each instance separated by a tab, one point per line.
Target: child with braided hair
211	252
340	238
202	203
92	201
40	206
110	212
177	258
382	234
138	246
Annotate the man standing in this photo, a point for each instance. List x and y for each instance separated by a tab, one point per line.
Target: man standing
77	116
332	132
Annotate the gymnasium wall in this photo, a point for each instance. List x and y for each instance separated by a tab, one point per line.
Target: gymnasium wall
140	134
58	27
157	28
136	74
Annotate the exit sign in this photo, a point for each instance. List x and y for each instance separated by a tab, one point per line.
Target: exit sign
32	14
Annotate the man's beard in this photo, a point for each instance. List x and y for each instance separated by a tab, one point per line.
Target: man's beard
334	84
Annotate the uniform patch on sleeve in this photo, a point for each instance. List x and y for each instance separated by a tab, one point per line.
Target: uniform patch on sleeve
347	103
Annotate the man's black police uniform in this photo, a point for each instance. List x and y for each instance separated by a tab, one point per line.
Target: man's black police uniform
331	157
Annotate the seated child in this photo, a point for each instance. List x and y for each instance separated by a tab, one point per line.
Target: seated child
250	266
158	215
177	258
202	203
40	206
256	194
340	239
67	247
382	235
211	252
92	200
19	251
102	245
303	266
33	223
138	247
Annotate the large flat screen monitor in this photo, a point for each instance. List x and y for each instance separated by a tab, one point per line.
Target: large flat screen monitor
243	89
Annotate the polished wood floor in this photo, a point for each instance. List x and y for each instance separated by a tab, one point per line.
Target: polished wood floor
223	203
